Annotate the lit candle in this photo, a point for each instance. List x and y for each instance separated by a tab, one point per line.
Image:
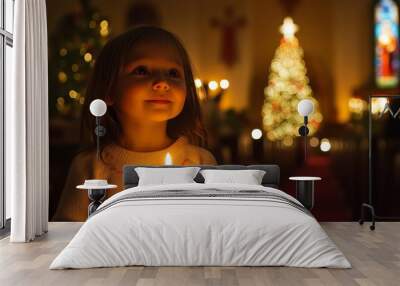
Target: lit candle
168	159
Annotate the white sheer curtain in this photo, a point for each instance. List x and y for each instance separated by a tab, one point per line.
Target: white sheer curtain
27	145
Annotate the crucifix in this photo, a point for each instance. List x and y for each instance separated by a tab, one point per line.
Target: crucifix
229	27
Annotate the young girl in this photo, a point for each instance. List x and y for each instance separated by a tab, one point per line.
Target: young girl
145	78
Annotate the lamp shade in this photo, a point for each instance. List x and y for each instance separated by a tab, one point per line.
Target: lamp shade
98	107
305	107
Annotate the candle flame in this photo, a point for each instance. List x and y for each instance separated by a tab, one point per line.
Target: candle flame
168	159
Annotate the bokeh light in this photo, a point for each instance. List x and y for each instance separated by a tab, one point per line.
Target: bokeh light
325	145
256	134
213	85
224	84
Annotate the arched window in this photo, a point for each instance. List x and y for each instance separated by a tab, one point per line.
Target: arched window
386	44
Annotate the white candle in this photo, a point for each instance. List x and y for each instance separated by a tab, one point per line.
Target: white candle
168	159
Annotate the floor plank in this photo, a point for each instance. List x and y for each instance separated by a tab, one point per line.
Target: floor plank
375	257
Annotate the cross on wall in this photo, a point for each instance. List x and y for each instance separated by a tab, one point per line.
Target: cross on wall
229	28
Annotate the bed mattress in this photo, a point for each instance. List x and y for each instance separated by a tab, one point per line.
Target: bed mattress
201	225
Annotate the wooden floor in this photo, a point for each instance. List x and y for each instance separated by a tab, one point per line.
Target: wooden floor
375	256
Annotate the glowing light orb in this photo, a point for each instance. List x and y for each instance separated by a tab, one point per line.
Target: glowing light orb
87	57
325	145
213	85
256	134
62	77
63	52
314	141
224	84
73	94
198	83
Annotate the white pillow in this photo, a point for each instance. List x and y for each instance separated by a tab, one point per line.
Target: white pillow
162	176
248	177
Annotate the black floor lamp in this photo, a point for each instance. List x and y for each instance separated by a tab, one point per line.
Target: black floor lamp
369	205
305	108
305	184
98	108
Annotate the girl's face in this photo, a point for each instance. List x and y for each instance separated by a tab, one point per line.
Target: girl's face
152	84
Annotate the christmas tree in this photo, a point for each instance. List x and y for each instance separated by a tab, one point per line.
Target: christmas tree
77	40
287	85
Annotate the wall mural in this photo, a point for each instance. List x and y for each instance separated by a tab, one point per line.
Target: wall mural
83	66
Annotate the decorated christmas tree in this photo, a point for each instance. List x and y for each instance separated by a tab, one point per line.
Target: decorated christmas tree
75	43
287	85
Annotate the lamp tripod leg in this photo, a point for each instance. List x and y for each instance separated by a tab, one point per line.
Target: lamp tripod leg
97	137
305	138
305	148
362	219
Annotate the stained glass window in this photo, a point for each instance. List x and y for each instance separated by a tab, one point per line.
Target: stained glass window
386	44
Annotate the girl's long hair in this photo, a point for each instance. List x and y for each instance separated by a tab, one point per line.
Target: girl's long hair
103	82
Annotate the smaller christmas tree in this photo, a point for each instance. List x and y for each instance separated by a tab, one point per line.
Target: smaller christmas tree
288	84
76	42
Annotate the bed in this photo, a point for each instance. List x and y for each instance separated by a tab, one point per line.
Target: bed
201	224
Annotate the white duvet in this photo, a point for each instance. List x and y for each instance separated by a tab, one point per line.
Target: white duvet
192	231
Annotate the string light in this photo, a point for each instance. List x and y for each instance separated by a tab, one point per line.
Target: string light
198	83
201	93
213	85
82	50
104	28
287	141
61	105
74	67
314	142
77	76
87	57
75	59
104	32
73	94
62	77
60	100
92	24
224	83
104	24
63	52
